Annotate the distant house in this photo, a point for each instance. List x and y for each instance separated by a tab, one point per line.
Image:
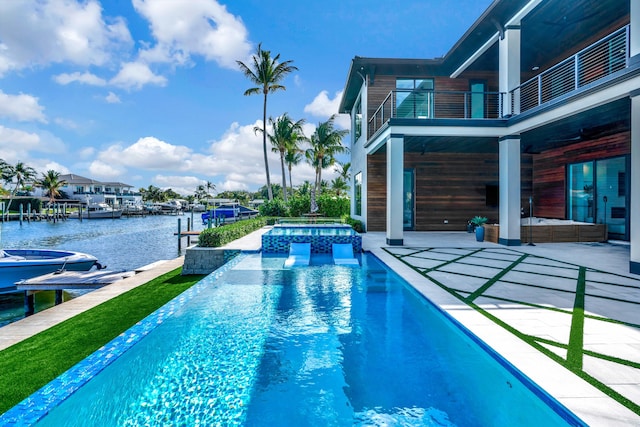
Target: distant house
86	189
535	103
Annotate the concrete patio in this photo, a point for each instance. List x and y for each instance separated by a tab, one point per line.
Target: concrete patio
565	314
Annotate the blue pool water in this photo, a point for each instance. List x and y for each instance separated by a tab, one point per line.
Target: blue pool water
324	345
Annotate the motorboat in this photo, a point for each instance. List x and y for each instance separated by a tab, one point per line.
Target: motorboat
170	206
19	264
97	211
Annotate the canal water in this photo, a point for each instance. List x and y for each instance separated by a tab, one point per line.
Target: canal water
119	244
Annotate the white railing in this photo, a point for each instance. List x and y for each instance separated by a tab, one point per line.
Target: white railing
602	58
430	104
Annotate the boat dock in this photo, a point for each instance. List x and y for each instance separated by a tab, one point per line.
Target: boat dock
71	280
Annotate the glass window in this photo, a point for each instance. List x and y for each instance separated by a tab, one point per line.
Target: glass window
478	90
414	98
357	190
597	194
408	200
357	120
581	192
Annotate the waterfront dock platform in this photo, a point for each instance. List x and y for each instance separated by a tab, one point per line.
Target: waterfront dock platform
41	321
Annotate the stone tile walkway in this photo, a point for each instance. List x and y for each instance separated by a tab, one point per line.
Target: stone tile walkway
584	320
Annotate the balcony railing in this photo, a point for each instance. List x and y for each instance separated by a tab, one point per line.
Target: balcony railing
430	104
604	57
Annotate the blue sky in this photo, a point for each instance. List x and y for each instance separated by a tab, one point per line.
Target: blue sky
147	92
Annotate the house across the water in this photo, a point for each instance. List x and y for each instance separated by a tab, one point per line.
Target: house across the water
536	108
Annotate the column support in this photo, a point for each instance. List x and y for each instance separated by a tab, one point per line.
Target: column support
509	147
634	205
509	68
634	8
395	182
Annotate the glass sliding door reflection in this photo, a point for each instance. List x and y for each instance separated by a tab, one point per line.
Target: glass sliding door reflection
611	190
408	200
581	192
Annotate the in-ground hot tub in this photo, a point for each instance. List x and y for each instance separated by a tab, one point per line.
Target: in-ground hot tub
546	230
321	237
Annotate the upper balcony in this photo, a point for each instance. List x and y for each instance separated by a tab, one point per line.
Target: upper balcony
600	59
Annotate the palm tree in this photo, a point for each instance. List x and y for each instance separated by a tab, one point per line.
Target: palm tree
51	183
326	143
339	185
285	133
210	186
292	157
266	73
19	174
345	171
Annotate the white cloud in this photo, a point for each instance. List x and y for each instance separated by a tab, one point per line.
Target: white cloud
196	27
40	32
23	108
134	75
148	153
324	107
84	78
12	140
105	171
180	184
112	98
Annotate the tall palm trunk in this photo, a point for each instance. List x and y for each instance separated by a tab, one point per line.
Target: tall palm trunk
284	177
264	146
290	181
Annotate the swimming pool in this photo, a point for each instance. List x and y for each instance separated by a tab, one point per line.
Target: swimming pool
321	237
325	345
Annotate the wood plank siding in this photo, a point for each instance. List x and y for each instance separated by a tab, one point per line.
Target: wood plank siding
550	170
449	186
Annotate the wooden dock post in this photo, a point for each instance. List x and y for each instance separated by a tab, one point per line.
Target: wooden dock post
179	236
29	303
21	210
58	299
189	229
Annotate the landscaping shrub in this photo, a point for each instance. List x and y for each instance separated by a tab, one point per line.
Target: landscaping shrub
215	237
356	224
299	204
333	206
275	207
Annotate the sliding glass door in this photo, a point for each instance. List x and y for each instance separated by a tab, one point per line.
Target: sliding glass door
597	193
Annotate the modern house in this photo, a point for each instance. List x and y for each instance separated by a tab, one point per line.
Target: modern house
536	107
86	189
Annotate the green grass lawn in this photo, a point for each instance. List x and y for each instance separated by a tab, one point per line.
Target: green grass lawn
27	366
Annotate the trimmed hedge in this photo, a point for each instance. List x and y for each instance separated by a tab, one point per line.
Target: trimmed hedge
216	237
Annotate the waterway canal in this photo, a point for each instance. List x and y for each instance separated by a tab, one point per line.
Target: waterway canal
120	244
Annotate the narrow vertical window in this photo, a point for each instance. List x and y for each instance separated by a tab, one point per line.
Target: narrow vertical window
357	193
357	120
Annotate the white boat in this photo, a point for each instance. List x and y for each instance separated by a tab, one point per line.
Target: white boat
170	206
97	211
19	264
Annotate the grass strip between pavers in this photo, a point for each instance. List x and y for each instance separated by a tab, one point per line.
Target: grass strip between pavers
536	341
28	365
576	332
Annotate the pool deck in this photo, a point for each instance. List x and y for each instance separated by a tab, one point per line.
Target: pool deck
567	315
